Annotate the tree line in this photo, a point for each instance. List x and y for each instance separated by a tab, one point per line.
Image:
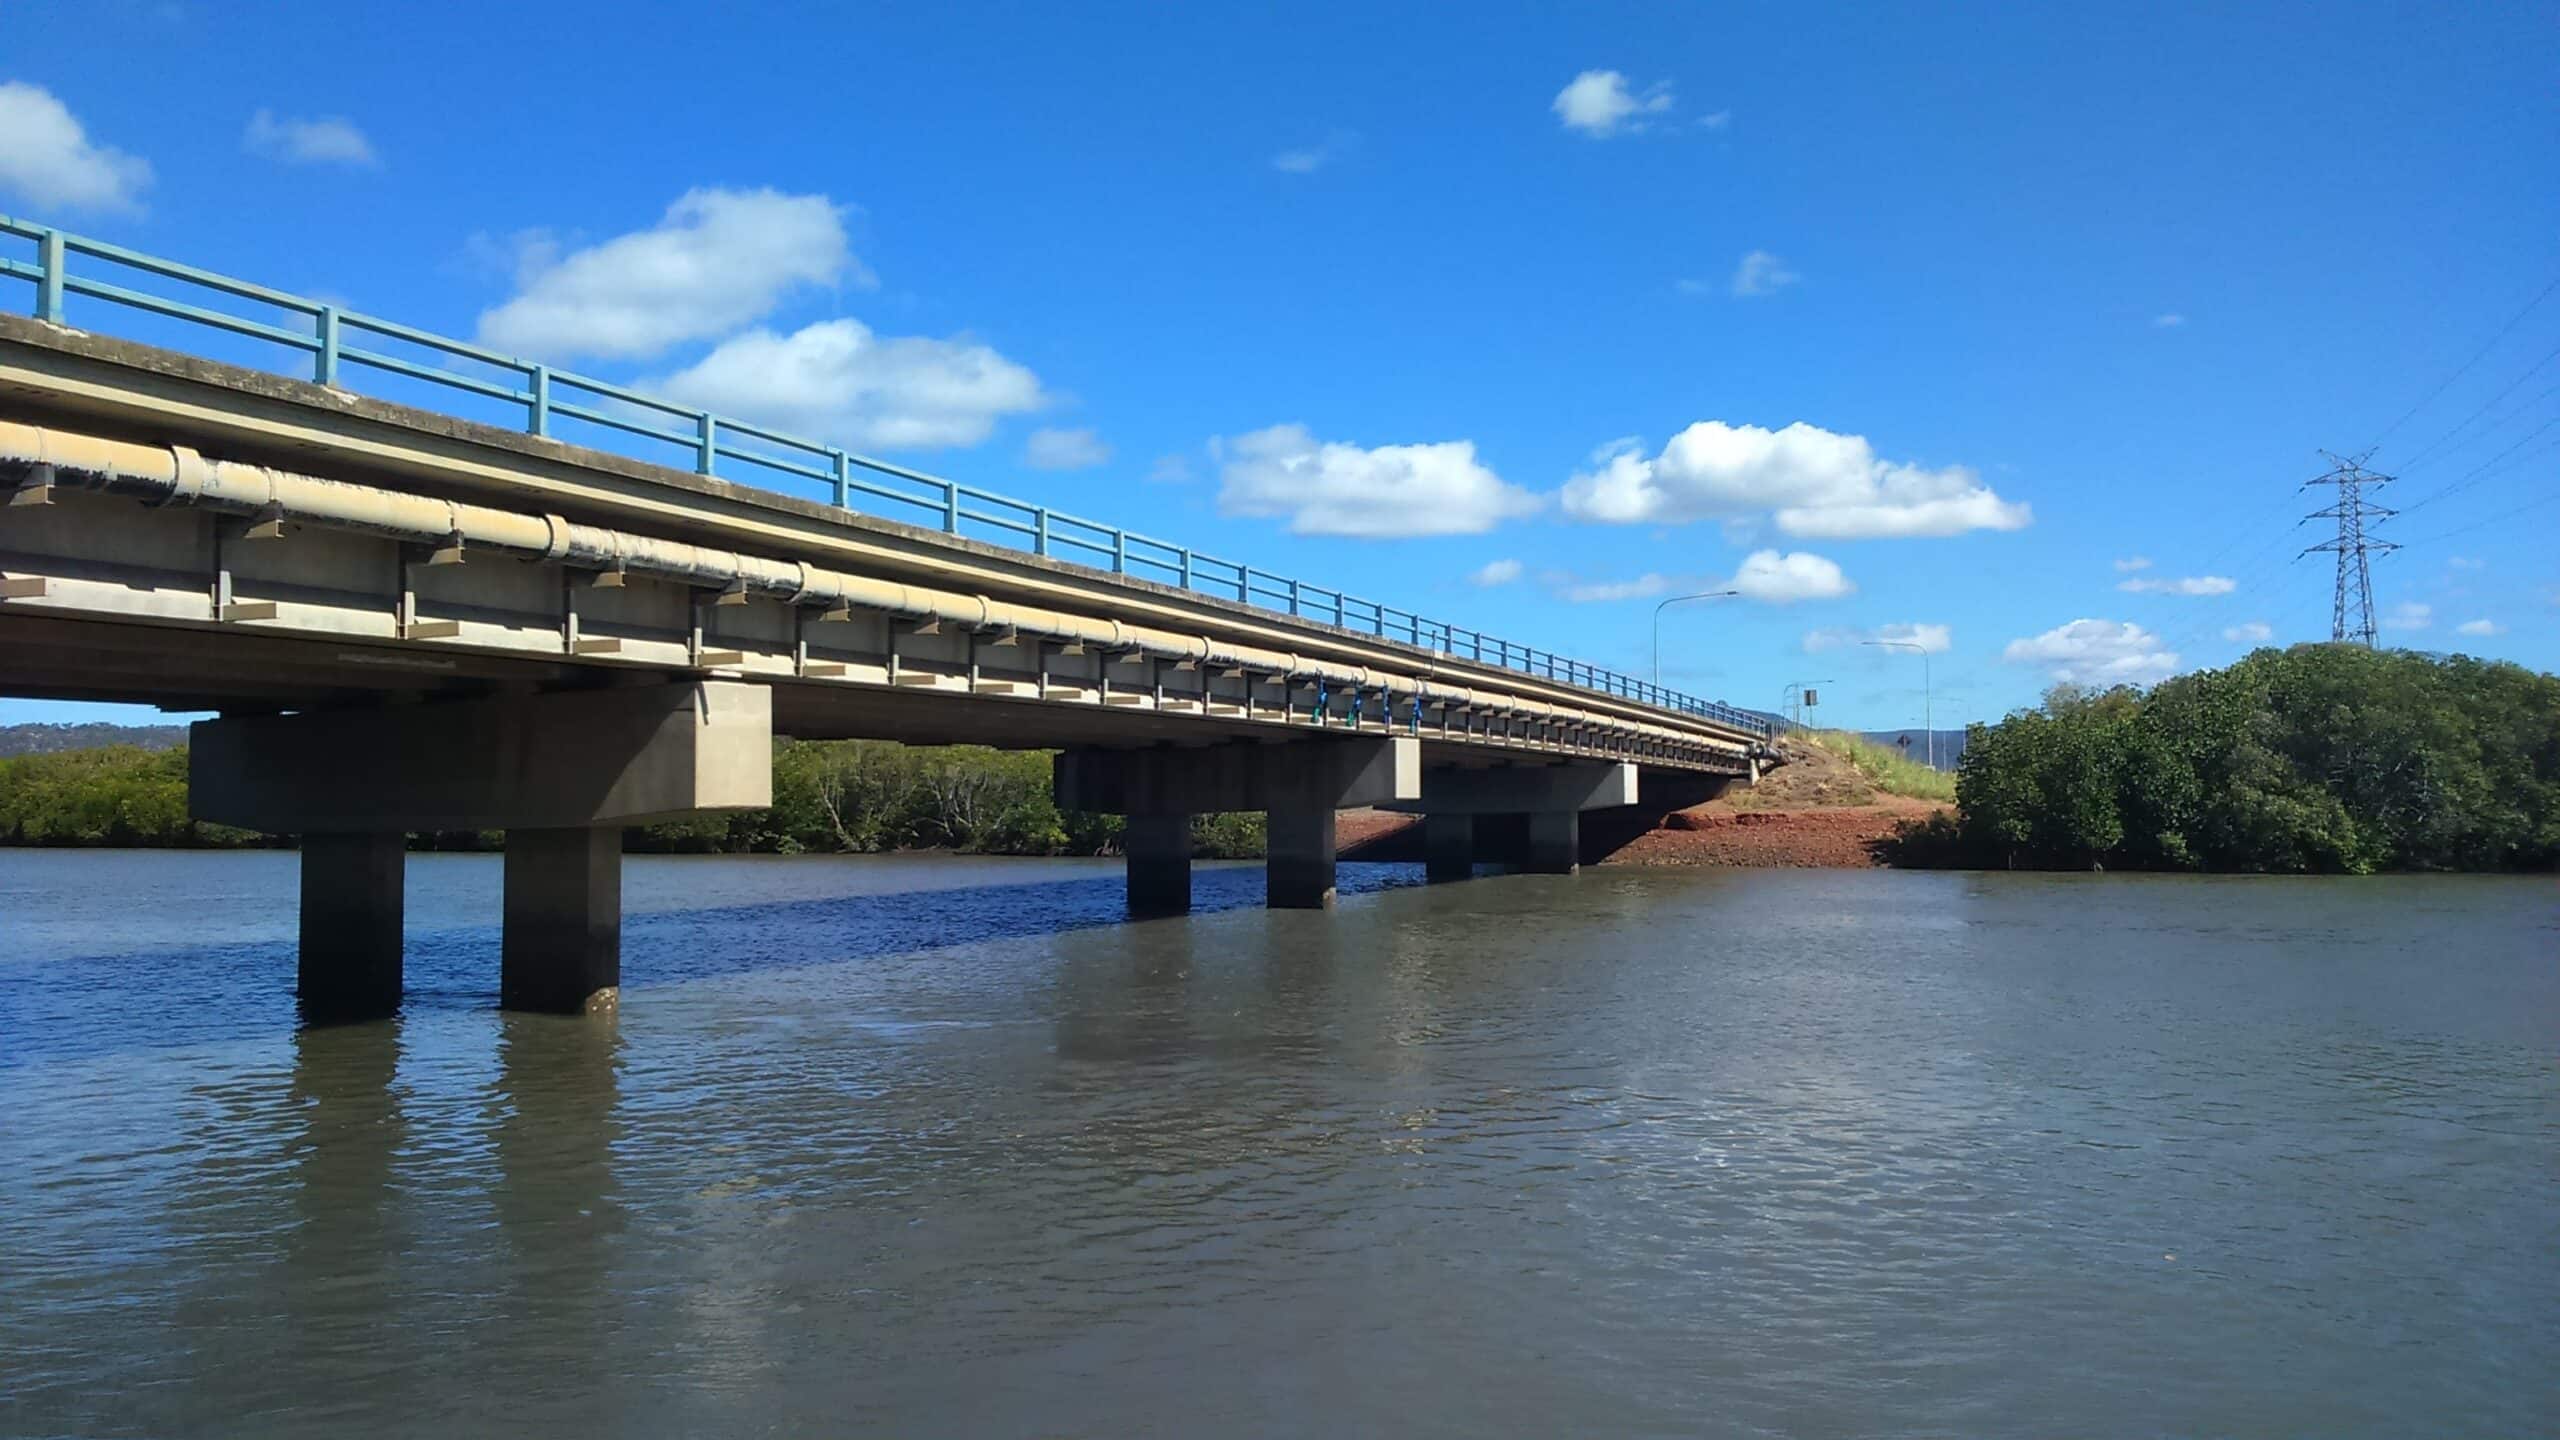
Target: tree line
2320	759
829	797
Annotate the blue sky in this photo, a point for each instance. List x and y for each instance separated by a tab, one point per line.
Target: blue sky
1410	299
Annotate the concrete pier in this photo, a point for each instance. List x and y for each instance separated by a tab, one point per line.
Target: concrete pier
561	952
1159	852
1299	865
1448	846
1555	842
351	913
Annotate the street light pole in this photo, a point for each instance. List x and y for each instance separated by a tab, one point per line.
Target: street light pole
1791	696
1657	624
1928	720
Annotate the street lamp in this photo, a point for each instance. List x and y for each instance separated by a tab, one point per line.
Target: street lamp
1927	720
1657	624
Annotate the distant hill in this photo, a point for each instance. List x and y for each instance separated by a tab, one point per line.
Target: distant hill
49	739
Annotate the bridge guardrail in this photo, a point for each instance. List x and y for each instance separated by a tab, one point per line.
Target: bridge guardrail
338	339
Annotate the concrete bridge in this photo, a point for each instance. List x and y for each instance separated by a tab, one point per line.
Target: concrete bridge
411	621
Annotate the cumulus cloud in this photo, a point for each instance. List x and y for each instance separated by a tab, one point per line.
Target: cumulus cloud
2409	615
1170	470
2182	585
2482	628
1761	273
2097	652
837	381
1054	449
2250	632
1815	482
1778	579
1599	103
1332	488
1932	639
717	260
2465	562
329	140
1496	572
2133	562
2169	321
1716	121
47	157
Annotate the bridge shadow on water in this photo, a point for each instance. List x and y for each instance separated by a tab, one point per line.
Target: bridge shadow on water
91	1006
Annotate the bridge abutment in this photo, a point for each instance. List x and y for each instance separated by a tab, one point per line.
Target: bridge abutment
353	886
561	949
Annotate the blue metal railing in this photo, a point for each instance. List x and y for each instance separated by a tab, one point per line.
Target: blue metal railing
338	340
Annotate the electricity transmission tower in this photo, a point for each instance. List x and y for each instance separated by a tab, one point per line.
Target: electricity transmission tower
2351	613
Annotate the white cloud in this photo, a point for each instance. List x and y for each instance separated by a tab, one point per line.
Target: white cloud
1308	159
1599	104
2133	562
2183	585
1761	273
2482	628
1496	572
1055	449
717	260
1331	488
1932	639
48	158
1170	470
1779	579
1589	592
1717	121
329	140
2465	562
2097	652
1817	483
2409	615
2250	632
837	381
2170	321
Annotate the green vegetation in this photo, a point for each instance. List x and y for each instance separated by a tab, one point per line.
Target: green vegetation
2319	759
829	797
1887	768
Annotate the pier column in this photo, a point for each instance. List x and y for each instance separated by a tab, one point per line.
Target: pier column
1555	842
1159	851
1448	846
562	948
1299	852
351	902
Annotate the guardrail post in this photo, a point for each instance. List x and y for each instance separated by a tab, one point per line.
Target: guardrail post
1186	569
1040	531
324	369
950	507
710	445
844	481
49	282
538	408
1119	552
1294	594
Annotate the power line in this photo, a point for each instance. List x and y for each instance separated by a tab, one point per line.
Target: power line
2351	612
2551	499
2465	367
2481	471
2419	457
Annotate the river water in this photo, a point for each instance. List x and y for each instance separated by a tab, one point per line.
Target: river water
942	1146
